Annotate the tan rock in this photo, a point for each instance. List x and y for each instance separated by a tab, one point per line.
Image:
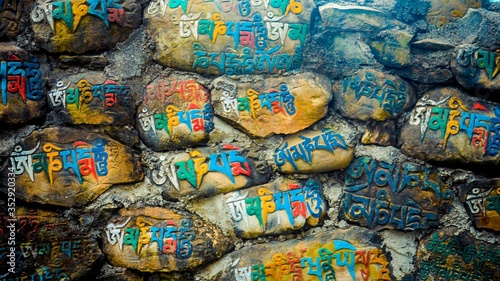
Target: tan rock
69	167
155	239
265	106
313	152
441	12
392	48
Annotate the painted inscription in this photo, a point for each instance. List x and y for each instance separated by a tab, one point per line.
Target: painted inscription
304	150
164	91
23	78
238	37
388	95
442	12
108	95
85	161
450	118
336	260
453	258
482	201
404	196
271	207
168	237
481	59
71	12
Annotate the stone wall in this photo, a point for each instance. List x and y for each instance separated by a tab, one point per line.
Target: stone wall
250	140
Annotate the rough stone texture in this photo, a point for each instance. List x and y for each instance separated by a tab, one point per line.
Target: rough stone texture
22	95
62	26
354	254
313	152
207	171
91	98
353	18
373	95
276	208
441	12
272	105
447	125
10	18
68	167
392	48
380	133
175	113
482	201
227	37
476	68
155	239
46	244
449	252
400	195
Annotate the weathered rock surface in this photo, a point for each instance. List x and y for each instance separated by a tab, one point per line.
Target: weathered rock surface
22	84
92	98
207	171
353	254
10	16
229	37
62	26
175	113
45	244
456	255
276	208
353	18
380	133
449	126
400	195
441	13
476	68
275	105
482	201
373	95
68	167
392	48
155	239
313	152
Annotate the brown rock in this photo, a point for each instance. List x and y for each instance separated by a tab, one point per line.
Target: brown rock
313	152
208	171
276	208
275	105
449	126
62	26
380	133
92	98
22	97
373	95
69	167
10	17
441	12
230	37
155	239
46	244
457	256
482	201
175	113
401	195
353	254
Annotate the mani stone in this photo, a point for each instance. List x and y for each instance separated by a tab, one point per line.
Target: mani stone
46	245
265	106
477	68
447	125
206	172
91	98
175	113
353	18
10	17
441	12
482	202
69	167
22	92
451	254
276	208
311	152
401	195
82	26
229	37
155	239
341	254
392	48
370	94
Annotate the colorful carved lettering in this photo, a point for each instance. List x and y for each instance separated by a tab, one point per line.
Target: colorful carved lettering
482	201
22	78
